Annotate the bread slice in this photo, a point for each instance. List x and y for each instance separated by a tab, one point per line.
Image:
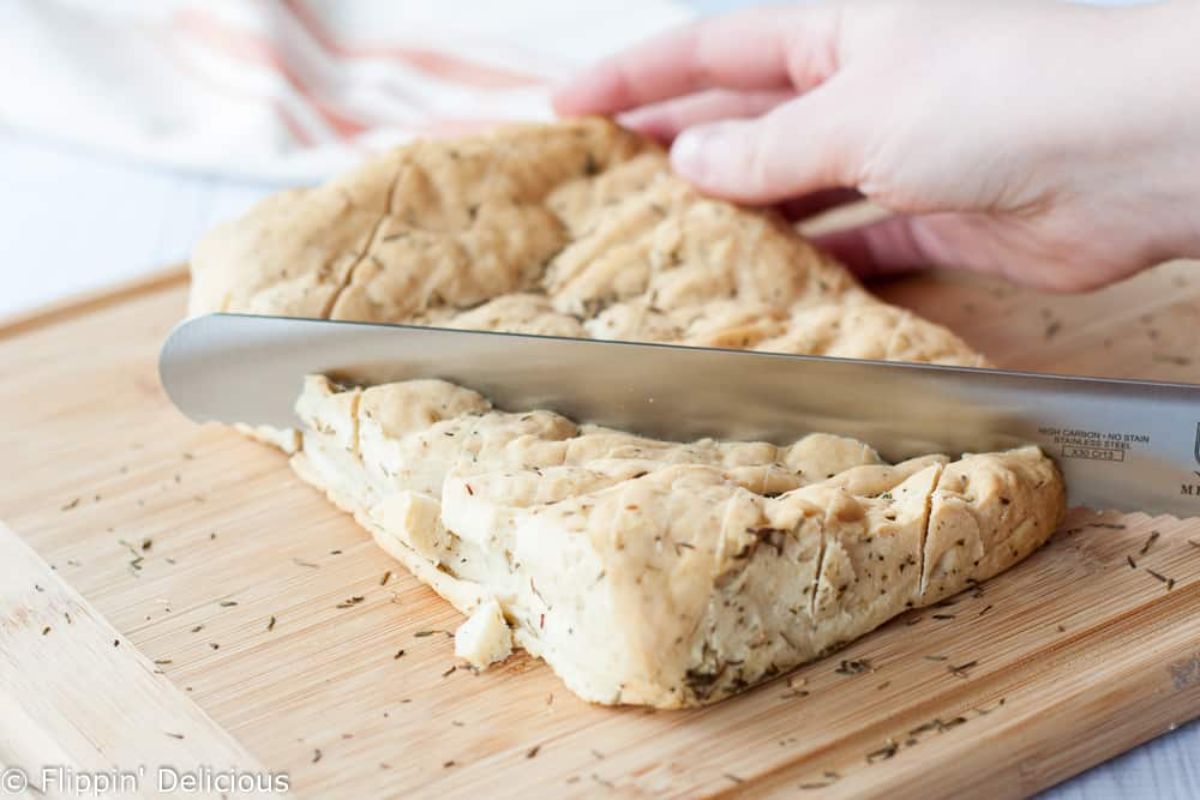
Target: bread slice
642	571
658	573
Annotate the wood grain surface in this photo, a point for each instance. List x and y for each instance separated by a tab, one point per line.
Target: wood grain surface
207	555
77	699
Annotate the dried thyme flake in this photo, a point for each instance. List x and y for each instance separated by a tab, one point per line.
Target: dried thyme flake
1170	582
854	666
984	611
450	671
533	751
228	603
174	735
1129	560
387	576
271	623
933	725
399	654
69	504
423	634
317	754
349	602
1149	543
46	630
961	670
883	753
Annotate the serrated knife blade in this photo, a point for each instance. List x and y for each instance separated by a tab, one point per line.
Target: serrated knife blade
1123	445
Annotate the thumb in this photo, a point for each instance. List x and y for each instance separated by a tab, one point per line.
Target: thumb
804	145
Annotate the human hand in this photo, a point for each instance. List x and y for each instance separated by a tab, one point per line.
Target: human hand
1057	145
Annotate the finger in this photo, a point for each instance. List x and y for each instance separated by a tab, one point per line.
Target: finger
664	121
805	145
754	49
818	202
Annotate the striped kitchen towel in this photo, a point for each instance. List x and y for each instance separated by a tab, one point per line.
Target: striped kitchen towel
293	90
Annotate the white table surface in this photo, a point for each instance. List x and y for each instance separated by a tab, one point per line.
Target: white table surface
74	220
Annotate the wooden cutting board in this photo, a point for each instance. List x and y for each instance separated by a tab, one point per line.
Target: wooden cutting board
190	601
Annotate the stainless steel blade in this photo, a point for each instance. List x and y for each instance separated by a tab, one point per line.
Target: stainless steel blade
1123	445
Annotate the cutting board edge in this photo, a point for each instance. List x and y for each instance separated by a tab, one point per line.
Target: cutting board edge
92	300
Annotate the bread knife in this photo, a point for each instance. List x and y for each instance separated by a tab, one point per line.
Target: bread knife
1121	444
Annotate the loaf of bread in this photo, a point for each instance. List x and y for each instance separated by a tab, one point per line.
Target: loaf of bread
642	571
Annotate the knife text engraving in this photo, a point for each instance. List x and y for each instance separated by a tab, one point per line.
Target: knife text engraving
1094	445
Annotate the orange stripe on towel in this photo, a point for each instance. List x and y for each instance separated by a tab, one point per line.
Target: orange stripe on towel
436	63
251	47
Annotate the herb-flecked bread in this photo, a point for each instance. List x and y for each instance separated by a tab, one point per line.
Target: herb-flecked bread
642	571
659	573
574	229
